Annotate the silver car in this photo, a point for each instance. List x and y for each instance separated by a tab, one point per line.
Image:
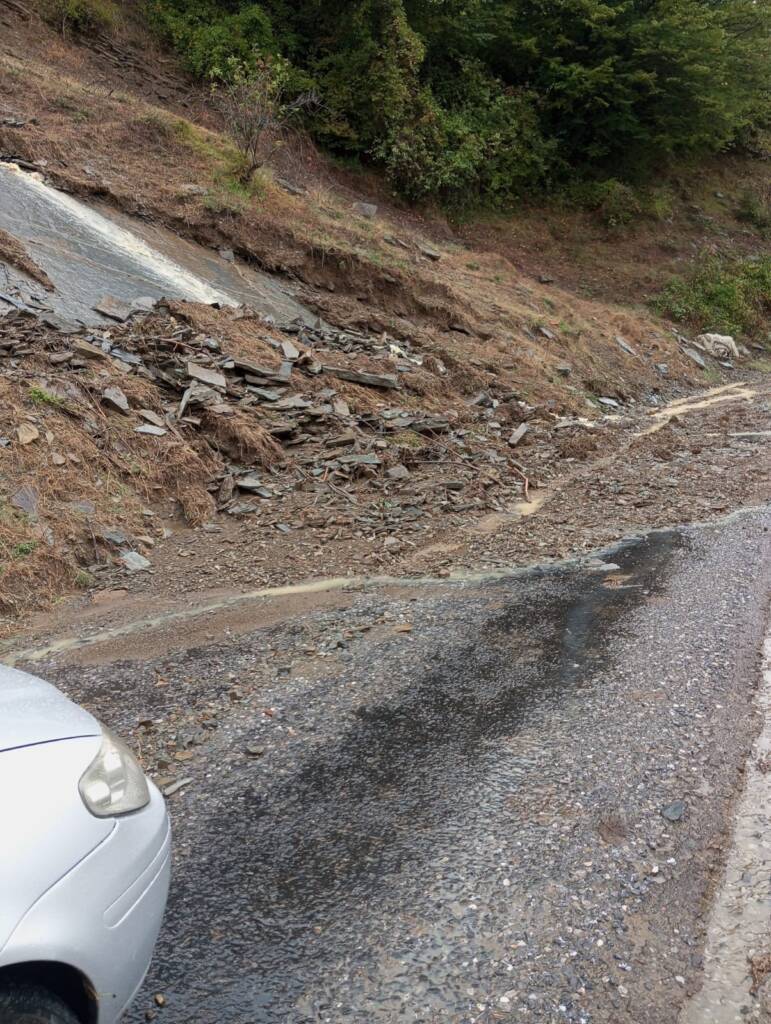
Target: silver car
84	861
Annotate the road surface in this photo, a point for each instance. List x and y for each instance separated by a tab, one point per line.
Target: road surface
463	803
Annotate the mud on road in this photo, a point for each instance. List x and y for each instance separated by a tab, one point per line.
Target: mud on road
446	805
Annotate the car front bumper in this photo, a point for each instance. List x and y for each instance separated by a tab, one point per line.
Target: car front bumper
103	916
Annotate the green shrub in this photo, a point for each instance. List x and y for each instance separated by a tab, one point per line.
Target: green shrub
81	16
615	203
658	204
483	146
208	34
39	396
23	549
731	297
753	210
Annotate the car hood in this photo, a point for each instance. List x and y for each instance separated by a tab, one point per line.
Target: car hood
33	711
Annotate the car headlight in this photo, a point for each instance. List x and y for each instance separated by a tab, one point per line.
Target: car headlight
113	783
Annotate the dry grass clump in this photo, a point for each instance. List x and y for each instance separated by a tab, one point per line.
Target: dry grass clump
179	470
45	545
195	501
31	575
141	393
243	338
242	438
13	252
427	385
760	968
577	445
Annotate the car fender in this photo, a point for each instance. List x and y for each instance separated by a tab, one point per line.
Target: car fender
45	828
104	915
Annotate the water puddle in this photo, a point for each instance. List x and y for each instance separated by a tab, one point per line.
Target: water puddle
740	925
90	252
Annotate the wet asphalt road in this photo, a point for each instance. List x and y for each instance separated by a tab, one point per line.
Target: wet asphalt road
461	822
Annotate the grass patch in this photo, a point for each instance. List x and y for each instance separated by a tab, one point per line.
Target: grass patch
39	396
213	148
24	549
762	365
408	439
219	201
727	296
230	193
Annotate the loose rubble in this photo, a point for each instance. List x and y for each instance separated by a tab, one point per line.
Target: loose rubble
306	435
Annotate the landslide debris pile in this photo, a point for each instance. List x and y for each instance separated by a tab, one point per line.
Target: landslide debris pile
228	414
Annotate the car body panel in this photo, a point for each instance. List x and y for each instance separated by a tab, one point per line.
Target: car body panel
75	889
45	826
33	711
104	916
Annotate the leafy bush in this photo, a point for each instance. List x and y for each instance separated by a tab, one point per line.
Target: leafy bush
81	16
469	156
208	34
753	210
731	297
253	102
615	203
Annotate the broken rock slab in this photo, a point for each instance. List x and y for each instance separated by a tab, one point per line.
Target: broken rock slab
152	417
674	811
288	186
695	357
129	358
86	349
368	210
255	374
116	399
27	433
254	485
151	429
115	309
134	562
206	375
518	434
373	380
26	500
625	346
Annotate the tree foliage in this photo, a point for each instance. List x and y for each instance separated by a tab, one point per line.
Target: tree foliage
486	100
251	96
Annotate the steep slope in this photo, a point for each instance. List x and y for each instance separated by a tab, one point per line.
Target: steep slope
515	346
